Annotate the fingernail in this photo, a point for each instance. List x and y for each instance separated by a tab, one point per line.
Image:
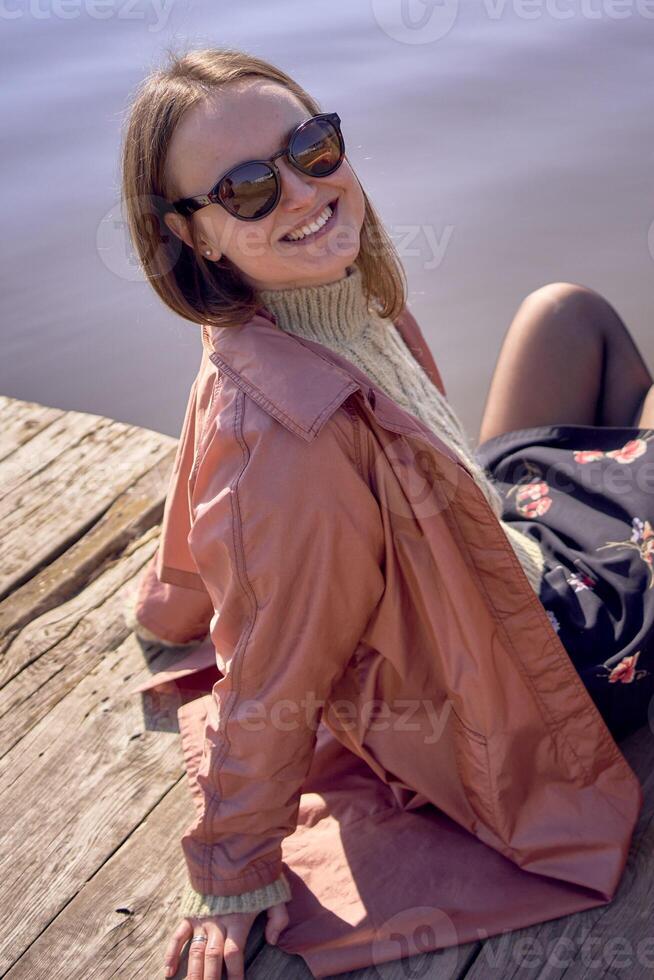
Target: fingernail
168	971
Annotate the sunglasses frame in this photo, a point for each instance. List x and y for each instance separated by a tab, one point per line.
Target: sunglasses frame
188	205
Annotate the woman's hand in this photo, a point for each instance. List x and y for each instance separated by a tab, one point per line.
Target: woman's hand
226	937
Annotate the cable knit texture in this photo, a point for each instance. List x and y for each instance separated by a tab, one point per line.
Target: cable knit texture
337	315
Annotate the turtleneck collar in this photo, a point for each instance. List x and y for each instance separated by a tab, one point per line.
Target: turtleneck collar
329	313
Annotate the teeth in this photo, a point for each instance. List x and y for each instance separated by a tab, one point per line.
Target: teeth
295	236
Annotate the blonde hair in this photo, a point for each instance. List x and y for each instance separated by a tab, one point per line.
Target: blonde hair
215	293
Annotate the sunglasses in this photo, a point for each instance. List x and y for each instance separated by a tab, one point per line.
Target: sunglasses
251	190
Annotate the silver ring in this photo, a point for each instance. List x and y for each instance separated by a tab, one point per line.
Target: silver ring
199	939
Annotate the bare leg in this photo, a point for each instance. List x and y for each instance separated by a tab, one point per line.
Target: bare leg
646	418
567	358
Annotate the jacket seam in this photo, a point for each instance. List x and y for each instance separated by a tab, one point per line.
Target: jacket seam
217	384
482	741
356	437
239	653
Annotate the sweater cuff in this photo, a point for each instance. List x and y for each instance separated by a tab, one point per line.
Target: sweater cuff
195	904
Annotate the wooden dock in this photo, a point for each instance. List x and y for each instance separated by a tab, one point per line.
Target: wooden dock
93	794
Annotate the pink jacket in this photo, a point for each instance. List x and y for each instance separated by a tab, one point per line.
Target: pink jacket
383	708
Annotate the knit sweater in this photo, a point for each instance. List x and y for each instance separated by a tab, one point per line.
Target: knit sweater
337	315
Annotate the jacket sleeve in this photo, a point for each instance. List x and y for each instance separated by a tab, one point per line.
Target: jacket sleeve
288	540
170	604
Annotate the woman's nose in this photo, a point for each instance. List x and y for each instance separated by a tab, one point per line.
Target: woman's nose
297	189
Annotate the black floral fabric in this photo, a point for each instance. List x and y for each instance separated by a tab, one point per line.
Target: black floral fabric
586	493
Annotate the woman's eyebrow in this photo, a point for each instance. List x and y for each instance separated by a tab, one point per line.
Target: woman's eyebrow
281	141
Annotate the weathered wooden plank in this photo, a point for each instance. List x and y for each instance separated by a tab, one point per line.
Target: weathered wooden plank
37	454
54	505
74	789
65	644
20	421
137	509
118	924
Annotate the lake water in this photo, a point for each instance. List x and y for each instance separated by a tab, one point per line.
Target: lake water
516	140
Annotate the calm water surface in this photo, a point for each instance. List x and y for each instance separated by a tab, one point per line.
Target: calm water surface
519	149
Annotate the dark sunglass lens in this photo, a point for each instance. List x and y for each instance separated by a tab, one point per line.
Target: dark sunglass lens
317	148
249	191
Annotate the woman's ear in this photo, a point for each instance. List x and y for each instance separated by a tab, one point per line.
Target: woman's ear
179	226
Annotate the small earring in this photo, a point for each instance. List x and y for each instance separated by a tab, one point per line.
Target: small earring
207	251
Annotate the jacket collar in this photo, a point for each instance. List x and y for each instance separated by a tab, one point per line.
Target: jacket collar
299	382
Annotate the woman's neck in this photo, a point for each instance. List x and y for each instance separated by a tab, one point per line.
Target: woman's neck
330	313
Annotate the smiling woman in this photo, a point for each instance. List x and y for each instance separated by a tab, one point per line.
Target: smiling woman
209	119
330	527
236	159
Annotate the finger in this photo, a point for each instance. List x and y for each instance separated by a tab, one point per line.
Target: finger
213	956
196	952
182	933
278	919
233	956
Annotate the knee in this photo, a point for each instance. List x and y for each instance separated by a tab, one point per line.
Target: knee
565	301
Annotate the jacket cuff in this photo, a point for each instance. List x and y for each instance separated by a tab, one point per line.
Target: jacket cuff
195	904
135	625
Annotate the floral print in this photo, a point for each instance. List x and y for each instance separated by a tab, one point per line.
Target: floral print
533	502
532	499
625	671
642	539
630	451
579	581
598	594
553	620
626	454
